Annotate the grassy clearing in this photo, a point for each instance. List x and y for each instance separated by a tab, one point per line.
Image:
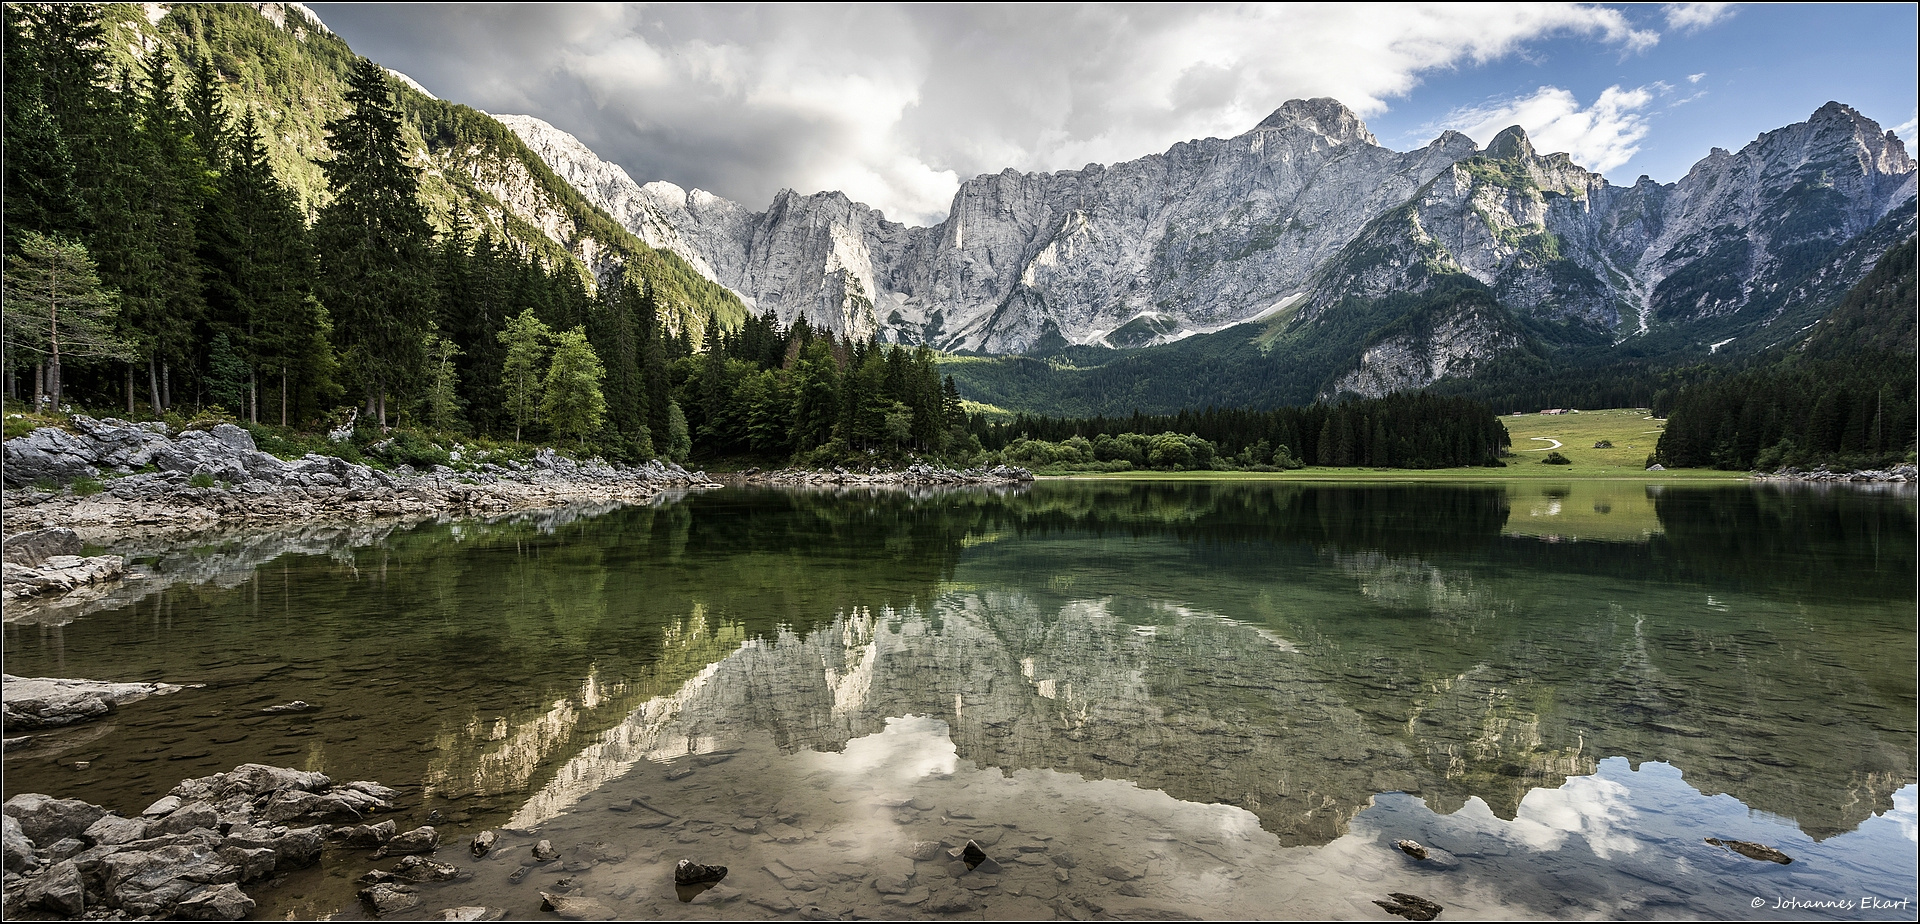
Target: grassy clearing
1630	430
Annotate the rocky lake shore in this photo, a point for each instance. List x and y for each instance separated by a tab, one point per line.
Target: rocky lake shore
190	853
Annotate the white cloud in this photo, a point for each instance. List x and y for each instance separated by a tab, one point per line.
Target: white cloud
1600	137
1692	17
1695	78
895	105
1905	130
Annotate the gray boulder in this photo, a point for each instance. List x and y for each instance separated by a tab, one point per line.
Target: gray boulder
369	835
61	890
112	829
15	846
223	902
48	454
154	881
419	840
188	817
388	897
44	819
34	547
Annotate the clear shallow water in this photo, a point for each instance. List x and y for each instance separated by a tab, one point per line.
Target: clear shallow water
1224	699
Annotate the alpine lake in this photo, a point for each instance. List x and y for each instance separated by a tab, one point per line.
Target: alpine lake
1164	700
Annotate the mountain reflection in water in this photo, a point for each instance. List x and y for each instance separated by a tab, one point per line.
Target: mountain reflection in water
1287	666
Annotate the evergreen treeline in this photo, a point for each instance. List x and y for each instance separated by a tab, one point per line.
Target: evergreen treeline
1845	398
1854	413
1412	430
775	393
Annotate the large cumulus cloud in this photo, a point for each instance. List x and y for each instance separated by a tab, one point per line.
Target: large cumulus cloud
896	104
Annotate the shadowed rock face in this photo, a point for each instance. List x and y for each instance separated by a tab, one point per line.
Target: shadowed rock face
1217	231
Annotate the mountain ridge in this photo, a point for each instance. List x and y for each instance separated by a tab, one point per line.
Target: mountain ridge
1302	211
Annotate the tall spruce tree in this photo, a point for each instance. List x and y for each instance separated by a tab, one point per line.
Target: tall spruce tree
375	244
259	282
171	185
40	191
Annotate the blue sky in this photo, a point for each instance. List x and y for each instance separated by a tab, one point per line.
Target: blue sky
1763	67
895	104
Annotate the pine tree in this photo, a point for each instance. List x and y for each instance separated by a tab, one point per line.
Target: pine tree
40	191
228	374
374	243
617	339
55	307
259	270
816	403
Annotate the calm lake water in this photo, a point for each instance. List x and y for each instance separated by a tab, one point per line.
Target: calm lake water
1210	700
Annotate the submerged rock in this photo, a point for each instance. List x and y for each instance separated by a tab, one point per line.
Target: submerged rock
687	872
1411	907
419	840
422	869
1412	849
368	835
1752	851
923	850
483	843
976	859
389	897
471	913
28	703
575	908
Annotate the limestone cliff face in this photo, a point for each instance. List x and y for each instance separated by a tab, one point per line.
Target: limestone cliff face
1306	209
1453	345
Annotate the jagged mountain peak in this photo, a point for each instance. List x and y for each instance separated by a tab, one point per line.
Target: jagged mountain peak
1511	144
1451	139
1323	116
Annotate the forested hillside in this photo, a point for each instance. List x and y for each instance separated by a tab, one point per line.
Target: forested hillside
197	158
1845	396
278	229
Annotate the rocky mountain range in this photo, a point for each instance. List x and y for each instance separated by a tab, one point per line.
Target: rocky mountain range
1291	220
1305	225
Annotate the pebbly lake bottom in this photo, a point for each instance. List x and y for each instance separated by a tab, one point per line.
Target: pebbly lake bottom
1162	701
871	833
